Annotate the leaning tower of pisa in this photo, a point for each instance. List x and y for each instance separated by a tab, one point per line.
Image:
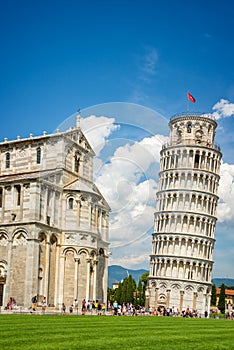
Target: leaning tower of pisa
185	218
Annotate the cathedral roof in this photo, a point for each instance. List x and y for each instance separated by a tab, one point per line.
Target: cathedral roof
80	186
27	176
77	185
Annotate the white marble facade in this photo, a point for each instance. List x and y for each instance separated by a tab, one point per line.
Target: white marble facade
183	239
54	221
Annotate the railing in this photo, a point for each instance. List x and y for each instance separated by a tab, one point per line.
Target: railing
190	142
193	114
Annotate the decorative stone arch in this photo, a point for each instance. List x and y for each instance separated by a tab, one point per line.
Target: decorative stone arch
163	285
4	238
19	237
68	250
176	287
83	251
189	288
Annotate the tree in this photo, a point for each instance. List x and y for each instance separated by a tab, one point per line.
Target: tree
139	294
221	303
142	285
213	295
131	287
125	291
110	294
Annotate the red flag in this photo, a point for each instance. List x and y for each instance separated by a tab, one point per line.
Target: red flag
191	98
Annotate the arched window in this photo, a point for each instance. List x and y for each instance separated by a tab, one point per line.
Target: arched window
189	128
18	194
196	161
77	164
8	160
70	203
38	155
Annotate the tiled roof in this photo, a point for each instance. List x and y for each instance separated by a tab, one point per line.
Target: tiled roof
227	291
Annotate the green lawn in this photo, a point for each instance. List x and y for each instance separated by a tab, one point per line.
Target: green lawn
108	332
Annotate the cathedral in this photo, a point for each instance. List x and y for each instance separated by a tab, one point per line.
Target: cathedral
181	261
54	221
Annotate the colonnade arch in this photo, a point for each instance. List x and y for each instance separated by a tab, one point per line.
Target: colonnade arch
196	247
182	269
184	223
187	201
208	159
194	180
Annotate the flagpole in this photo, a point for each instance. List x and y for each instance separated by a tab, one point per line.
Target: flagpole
187	104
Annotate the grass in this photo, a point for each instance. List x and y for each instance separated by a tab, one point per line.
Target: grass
108	332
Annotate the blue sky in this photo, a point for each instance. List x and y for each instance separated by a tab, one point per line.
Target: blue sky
58	56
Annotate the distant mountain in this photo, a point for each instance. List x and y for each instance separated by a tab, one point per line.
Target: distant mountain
229	282
117	273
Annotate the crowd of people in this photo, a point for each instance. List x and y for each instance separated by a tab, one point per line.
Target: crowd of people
95	307
87	307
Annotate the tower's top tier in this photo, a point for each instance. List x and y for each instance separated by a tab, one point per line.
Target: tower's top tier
192	129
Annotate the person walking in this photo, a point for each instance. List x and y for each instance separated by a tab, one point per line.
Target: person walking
76	305
34	303
63	309
43	305
71	310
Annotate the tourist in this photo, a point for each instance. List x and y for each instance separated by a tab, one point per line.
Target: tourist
71	310
103	308
63	309
43	305
34	303
115	305
99	309
83	306
76	305
96	305
10	304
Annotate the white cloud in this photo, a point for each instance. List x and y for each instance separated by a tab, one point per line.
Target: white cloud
148	65
130	191
149	62
97	130
138	261
223	109
226	193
